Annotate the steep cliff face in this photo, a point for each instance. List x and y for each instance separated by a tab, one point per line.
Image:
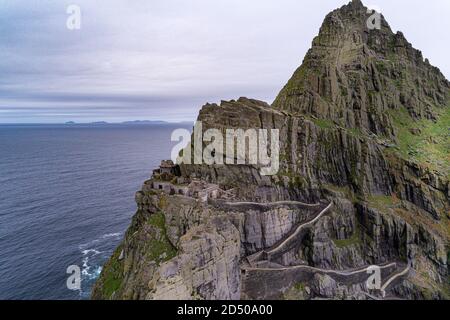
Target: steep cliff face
363	180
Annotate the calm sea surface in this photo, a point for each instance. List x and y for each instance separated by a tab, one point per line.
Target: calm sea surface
66	198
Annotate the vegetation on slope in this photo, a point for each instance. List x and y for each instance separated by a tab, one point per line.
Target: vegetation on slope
160	250
426	141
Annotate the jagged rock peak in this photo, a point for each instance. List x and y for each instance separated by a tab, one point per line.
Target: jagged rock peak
356	3
358	71
353	18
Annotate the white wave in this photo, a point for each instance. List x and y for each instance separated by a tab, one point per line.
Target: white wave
88	251
98	240
86	271
111	235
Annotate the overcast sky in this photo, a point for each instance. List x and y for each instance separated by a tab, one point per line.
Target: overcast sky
163	59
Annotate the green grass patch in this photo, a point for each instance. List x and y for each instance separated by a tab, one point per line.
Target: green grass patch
297	83
157	220
160	250
382	201
323	123
430	145
355	132
113	276
299	286
345	190
355	239
382	67
398	83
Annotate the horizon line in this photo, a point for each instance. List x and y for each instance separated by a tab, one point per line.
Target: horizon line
69	123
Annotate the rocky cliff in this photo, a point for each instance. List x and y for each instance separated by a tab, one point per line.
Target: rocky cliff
363	180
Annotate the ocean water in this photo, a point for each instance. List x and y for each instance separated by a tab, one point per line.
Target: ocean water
66	198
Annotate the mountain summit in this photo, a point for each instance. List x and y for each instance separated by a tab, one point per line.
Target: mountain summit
356	76
362	184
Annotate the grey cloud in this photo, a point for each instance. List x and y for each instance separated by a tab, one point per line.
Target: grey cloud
162	59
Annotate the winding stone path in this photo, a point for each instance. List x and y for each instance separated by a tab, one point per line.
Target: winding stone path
262	207
324	271
279	247
392	280
270	282
290	238
262	277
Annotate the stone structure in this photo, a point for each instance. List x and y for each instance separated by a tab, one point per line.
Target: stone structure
167	178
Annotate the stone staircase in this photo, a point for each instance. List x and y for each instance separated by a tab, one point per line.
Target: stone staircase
270	281
396	277
291	238
265	275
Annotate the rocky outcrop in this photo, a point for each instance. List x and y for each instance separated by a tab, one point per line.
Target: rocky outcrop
207	266
363	125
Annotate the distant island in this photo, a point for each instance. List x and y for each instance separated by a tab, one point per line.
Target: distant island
145	122
134	122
